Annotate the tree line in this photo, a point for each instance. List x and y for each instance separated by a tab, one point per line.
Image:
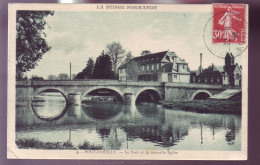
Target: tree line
106	63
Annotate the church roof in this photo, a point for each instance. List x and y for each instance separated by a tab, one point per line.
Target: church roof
229	55
230	68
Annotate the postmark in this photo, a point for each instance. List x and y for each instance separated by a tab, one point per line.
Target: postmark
219	40
229	23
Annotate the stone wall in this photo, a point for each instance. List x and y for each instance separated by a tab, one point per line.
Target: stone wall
25	90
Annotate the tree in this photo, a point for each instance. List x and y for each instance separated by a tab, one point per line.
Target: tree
145	52
129	56
103	67
89	68
35	77
116	53
133	70
30	43
73	76
63	76
87	72
52	77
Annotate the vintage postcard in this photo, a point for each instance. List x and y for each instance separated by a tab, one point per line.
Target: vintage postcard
128	81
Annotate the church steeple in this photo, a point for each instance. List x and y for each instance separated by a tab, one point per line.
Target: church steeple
229	59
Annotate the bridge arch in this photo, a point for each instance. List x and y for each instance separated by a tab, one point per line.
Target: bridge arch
148	88
198	92
102	87
42	89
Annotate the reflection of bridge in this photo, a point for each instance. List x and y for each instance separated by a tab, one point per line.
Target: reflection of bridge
26	90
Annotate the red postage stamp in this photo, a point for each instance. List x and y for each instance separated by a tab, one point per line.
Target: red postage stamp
229	23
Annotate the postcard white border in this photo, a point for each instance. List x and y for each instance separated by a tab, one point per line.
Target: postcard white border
14	153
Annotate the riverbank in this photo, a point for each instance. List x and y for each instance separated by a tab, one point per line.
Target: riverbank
30	143
206	106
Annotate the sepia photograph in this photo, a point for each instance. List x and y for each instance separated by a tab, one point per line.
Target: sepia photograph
127	81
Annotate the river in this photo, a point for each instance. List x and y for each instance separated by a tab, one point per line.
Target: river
145	126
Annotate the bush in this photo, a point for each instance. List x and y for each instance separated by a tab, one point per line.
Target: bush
86	146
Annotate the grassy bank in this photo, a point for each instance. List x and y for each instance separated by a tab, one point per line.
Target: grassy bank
206	106
30	143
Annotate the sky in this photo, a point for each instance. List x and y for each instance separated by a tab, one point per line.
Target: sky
77	36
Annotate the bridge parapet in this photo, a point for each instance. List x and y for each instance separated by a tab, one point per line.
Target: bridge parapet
120	83
84	83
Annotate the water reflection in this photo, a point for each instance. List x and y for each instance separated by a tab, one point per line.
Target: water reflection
231	131
119	126
45	107
102	111
74	111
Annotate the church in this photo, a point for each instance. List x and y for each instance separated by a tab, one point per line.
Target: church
229	74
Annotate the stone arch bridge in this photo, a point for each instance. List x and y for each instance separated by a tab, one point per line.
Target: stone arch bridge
129	92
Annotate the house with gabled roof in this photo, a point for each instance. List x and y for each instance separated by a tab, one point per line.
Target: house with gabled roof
211	75
163	66
229	74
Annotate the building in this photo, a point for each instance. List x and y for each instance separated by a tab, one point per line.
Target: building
229	74
163	66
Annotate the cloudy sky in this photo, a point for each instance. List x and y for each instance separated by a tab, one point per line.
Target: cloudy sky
76	36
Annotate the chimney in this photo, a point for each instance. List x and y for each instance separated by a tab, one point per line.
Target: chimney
200	71
70	70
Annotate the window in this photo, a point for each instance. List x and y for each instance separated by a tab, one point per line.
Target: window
158	66
199	80
183	66
206	79
218	79
175	76
212	79
143	68
237	76
168	58
152	67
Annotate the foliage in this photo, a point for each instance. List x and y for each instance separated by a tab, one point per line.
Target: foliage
129	56
52	77
103	67
35	77
87	72
37	144
30	39
73	76
133	69
87	146
116	53
63	76
206	106
145	52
